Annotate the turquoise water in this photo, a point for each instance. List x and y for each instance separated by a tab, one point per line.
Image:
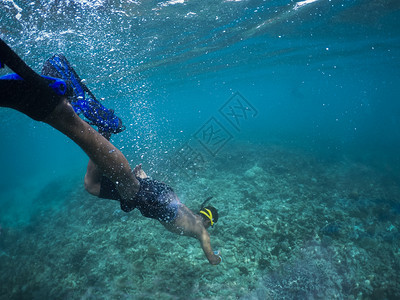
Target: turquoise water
306	179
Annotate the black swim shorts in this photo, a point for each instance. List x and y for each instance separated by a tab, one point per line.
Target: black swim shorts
30	100
154	199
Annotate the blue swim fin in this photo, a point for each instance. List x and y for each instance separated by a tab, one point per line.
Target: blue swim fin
83	100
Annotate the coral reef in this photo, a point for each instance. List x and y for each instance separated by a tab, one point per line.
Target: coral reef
292	226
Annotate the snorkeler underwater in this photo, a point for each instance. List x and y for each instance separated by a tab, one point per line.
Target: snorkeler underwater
199	150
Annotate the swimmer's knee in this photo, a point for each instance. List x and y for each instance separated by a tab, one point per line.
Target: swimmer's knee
92	187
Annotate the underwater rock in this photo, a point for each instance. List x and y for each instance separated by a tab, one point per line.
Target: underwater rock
253	172
244	271
263	263
354	194
331	229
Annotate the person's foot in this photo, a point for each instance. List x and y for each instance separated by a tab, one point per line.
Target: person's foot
139	173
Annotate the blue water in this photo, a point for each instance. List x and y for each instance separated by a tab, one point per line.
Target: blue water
322	77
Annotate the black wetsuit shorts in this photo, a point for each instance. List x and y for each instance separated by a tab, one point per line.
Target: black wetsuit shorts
32	96
154	199
32	101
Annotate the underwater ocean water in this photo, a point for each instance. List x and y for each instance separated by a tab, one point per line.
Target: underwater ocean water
284	114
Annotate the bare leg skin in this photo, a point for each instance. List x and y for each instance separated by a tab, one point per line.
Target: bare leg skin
93	178
93	174
139	172
108	159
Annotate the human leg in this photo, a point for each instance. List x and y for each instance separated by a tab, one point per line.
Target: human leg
33	97
62	117
102	153
94	176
